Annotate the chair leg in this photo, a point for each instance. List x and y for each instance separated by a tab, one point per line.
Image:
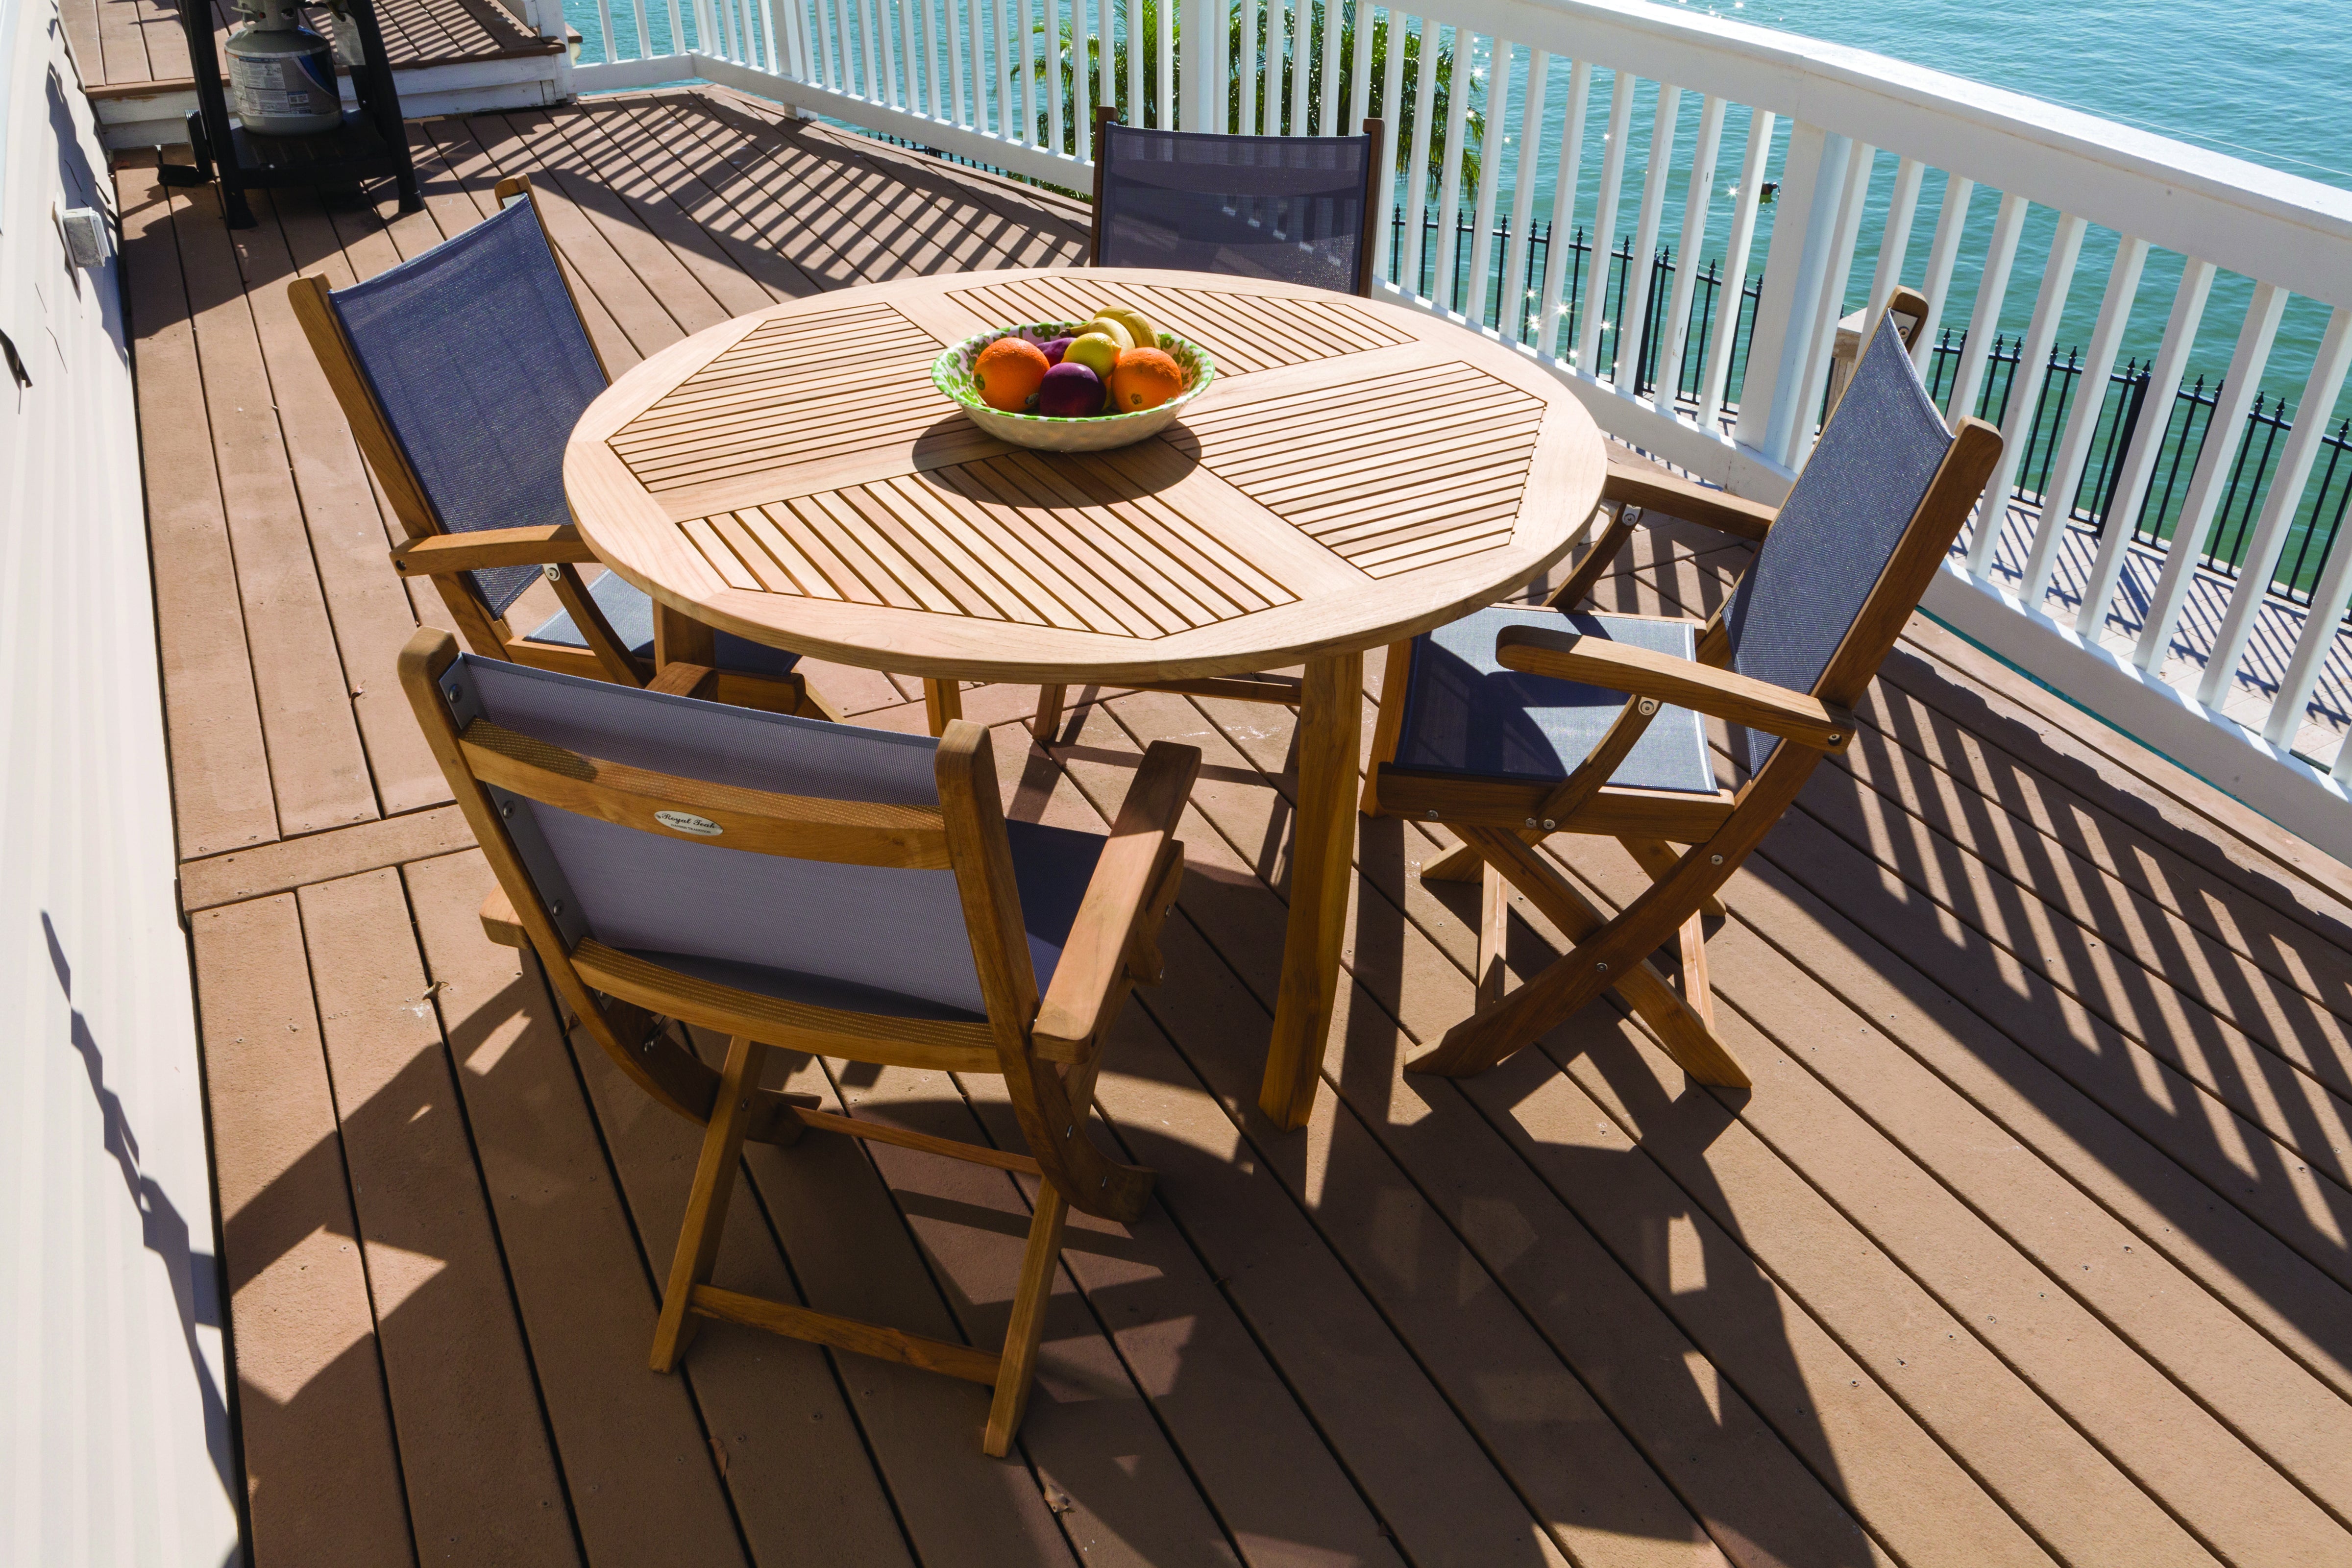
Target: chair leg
1048	720
1494	933
1698	991
812	705
1017	1364
706	1202
1497	1030
1658	857
1459	864
942	703
1596	562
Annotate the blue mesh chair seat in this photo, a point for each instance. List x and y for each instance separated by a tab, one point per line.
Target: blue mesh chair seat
464	370
783	883
1464	713
1511	724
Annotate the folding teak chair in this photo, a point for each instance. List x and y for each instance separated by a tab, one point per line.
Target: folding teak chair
820	887
462	372
1513	724
1295	209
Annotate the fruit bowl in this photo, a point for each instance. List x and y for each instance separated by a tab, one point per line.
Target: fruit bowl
952	374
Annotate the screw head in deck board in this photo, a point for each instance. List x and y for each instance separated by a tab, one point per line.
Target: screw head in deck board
1358	473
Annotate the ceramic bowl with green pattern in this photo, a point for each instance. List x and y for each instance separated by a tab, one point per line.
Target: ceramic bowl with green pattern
952	374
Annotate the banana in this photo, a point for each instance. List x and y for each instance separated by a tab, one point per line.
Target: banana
1139	326
1117	332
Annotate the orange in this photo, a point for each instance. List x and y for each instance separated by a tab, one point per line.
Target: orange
1144	378
1007	374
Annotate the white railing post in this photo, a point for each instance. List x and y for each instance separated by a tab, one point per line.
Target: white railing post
2279	508
2223	433
1514	290
1496	107
1359	71
1604	228
1894	239
2330	598
1804	232
1449	183
1326	108
1812	391
2025	391
1942	254
1563	208
1716	374
2146	445
1416	174
1642	263
2083	421
1984	321
1384	238
1697	202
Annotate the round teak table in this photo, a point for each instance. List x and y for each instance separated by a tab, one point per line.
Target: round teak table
1358	473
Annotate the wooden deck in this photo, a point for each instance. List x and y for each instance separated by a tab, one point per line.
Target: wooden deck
137	47
2030	1244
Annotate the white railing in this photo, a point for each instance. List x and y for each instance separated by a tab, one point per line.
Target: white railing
1773	143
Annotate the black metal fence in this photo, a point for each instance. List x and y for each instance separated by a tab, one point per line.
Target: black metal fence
2320	512
1523	323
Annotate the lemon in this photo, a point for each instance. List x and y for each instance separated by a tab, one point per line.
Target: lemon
1098	351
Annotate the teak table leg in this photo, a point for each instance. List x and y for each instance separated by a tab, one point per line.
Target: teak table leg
679	638
1323	845
942	703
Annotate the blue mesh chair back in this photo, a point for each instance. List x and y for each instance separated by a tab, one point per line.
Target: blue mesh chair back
856	938
1288	208
479	362
1838	528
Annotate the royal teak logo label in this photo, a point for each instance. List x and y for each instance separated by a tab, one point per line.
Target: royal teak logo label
687	822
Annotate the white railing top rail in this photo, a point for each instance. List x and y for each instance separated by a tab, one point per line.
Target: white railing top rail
2242	216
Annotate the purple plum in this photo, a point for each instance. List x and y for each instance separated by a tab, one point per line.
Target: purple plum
1054	348
1070	392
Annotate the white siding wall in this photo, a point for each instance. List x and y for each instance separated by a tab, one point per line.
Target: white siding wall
114	1442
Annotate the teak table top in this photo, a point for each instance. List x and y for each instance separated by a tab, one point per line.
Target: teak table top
1358	473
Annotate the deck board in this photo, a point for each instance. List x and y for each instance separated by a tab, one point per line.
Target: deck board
2030	1245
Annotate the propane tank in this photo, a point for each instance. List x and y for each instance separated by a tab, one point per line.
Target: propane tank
281	74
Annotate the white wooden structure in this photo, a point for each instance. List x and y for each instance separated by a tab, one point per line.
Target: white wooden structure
949	74
114	1435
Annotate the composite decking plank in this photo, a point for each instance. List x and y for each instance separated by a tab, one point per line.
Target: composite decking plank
318	766
221	798
851	1255
480	1469
368	606
81	20
1752	1485
647	136
593	137
1089	1432
635	1457
788	1448
292	863
321	1469
1620	1512
540	137
2201	1117
2277	1052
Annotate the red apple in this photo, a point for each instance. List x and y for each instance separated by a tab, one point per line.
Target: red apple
1070	392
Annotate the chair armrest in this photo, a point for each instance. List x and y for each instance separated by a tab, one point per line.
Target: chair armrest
490	547
1113	941
1654	490
1734	697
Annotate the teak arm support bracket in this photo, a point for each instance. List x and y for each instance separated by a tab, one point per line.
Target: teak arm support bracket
1114	941
1727	695
1654	490
491	547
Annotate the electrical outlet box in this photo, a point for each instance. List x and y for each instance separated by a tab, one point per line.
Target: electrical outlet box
89	238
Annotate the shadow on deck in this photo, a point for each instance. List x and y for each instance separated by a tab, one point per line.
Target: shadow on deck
2029	1244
